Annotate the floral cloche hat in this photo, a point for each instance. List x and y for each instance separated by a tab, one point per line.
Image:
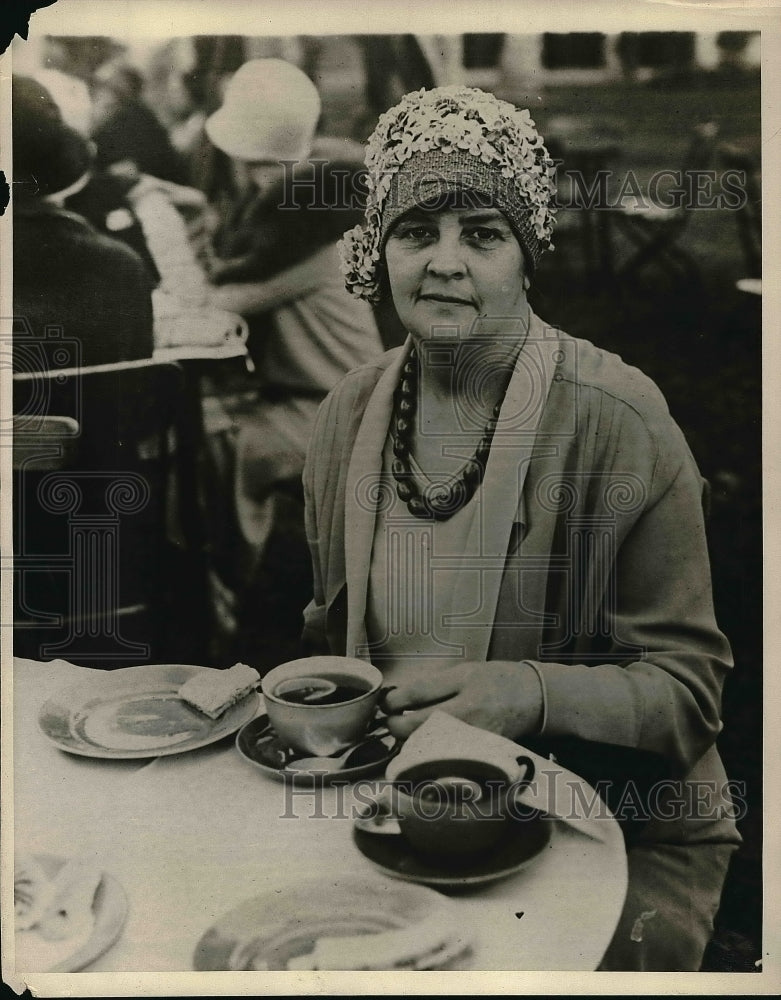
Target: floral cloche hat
439	142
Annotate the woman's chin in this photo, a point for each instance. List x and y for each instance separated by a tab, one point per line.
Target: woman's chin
442	332
443	321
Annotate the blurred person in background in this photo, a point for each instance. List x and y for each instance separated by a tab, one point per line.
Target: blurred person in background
186	98
66	273
103	198
393	65
128	135
130	194
71	95
275	263
80	55
152	216
186	82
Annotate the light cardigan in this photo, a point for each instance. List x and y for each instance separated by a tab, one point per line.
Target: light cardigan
595	563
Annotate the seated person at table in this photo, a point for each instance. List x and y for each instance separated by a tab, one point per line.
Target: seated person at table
276	264
507	521
127	133
67	274
103	199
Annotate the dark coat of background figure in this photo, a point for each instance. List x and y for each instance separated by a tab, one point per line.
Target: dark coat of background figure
96	289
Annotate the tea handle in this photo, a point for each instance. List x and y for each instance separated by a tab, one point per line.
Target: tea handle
384	692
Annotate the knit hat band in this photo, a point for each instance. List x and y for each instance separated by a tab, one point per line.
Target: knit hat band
433	178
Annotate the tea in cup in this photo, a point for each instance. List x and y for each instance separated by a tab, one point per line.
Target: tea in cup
321	704
456	807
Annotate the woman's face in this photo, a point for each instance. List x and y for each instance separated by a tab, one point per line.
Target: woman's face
447	268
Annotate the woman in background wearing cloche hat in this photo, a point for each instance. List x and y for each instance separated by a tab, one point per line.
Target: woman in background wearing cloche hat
275	263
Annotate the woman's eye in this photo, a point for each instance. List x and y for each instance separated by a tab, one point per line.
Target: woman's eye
480	234
415	233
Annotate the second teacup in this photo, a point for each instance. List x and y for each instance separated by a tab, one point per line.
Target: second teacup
456	807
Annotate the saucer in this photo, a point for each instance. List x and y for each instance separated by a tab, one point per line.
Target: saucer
528	836
260	746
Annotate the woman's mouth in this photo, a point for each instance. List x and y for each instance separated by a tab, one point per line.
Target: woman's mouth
449	299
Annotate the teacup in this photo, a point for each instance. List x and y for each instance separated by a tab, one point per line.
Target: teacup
457	807
321	704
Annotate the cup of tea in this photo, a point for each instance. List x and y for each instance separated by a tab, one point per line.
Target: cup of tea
321	704
455	807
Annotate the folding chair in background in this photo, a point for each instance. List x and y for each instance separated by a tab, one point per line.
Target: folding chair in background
94	452
655	229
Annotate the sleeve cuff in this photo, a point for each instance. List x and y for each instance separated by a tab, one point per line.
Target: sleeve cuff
544	694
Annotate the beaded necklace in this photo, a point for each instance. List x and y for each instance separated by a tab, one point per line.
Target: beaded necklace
437	501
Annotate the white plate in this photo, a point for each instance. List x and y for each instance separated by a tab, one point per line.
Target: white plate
136	712
109	907
266	932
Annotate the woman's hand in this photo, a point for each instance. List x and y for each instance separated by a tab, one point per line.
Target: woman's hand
498	695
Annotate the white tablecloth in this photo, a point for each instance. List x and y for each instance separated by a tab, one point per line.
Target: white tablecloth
234	345
192	835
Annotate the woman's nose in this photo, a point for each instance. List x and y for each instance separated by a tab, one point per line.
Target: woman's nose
447	259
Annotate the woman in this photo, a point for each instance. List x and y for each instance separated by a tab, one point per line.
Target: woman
275	264
508	521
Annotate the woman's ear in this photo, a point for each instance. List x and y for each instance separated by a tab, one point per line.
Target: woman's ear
526	283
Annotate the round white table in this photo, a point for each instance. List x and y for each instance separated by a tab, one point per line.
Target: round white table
190	836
